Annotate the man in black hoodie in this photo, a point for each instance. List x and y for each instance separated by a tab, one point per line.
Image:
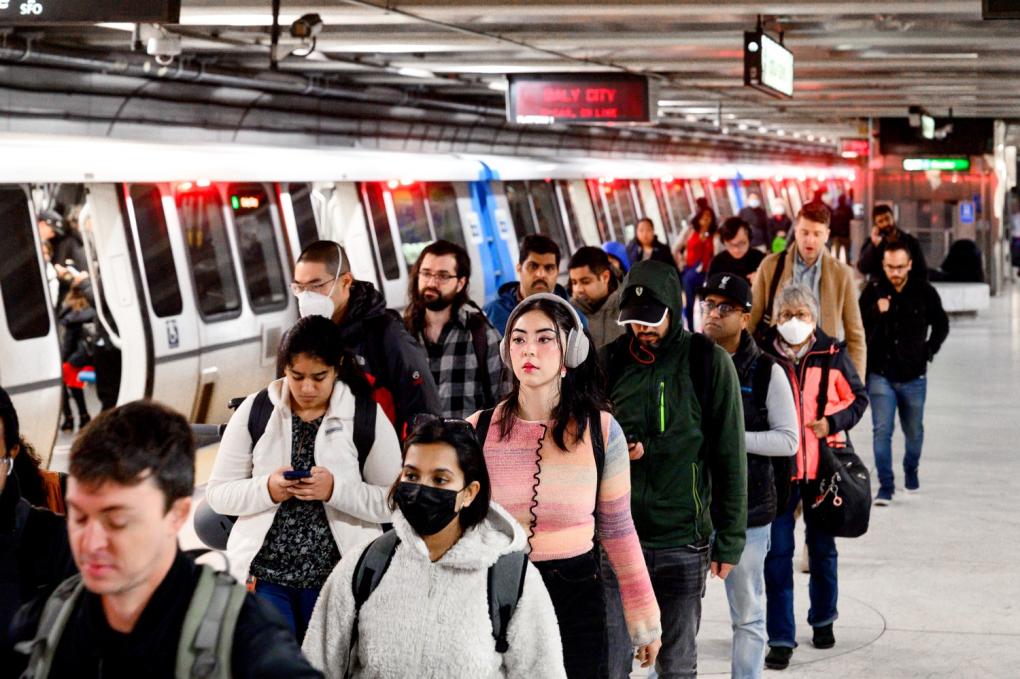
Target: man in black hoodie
396	364
140	607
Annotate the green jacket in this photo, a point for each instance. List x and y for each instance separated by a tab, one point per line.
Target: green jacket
679	485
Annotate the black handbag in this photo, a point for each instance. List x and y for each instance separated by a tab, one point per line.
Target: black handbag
838	501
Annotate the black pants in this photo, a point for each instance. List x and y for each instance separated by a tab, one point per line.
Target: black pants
575	587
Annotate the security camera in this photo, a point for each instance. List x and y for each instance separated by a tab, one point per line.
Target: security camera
306	27
159	43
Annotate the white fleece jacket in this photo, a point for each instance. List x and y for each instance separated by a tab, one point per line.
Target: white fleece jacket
432	620
239	483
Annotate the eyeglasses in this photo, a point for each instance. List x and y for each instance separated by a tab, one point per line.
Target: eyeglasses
800	315
724	309
440	276
298	288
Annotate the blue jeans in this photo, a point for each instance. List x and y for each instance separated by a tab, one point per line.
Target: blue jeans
296	605
745	590
678	578
692	280
823	586
886	397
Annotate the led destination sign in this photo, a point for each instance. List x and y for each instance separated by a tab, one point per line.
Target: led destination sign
30	12
938	164
768	66
571	98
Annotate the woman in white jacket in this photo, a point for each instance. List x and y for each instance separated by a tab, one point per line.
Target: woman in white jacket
291	532
429	614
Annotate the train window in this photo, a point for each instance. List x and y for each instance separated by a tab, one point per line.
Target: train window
304	213
212	268
256	240
158	258
547	212
446	224
563	188
601	218
520	208
665	209
412	220
621	204
373	196
23	293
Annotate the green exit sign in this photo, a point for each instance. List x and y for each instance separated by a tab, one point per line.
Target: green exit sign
937	164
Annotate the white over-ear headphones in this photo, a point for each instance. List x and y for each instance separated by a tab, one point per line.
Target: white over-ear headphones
577	347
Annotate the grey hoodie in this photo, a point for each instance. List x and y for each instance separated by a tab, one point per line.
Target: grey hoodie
602	322
431	619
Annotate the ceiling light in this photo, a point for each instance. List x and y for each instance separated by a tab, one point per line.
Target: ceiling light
742	127
796	135
691	118
415	72
917	55
731	116
849	155
781	133
763	130
811	137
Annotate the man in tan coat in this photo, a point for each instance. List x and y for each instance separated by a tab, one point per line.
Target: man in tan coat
810	263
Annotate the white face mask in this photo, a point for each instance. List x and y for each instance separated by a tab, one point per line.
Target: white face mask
314	304
795	331
754	203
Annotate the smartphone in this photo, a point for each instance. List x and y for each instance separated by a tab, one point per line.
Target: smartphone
631	439
296	474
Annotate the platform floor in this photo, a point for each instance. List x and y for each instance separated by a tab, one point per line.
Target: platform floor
933	589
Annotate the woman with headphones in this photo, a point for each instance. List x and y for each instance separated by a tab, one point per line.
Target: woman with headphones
558	463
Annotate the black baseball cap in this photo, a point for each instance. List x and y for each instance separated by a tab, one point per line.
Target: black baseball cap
639	306
728	285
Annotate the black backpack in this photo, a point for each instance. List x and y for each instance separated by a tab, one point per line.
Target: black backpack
838	501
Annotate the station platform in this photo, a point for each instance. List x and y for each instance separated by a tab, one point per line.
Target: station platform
932	590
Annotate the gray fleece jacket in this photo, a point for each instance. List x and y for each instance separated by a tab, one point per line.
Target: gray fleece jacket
431	619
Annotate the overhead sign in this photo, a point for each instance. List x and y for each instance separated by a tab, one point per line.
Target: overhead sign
768	66
967	212
938	164
34	12
854	148
544	99
1000	9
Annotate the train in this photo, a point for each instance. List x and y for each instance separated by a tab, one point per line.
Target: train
190	247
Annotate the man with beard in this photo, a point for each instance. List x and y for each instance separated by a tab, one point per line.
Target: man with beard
396	364
677	397
538	265
905	325
883	232
595	292
462	346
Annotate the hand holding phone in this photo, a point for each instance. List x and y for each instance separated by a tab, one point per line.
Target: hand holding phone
295	474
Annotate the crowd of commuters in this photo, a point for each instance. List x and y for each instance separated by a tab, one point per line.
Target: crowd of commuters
538	489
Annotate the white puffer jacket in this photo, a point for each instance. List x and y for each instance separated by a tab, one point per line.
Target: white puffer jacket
432	620
239	483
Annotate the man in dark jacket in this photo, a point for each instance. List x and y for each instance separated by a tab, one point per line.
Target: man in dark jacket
34	554
771	436
134	610
905	326
756	218
686	457
883	232
395	362
538	265
839	229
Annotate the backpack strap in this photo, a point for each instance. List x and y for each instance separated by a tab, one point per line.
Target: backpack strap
766	317
761	378
478	324
482	428
258	416
598	447
207	635
364	427
506	584
702	373
56	612
371	566
823	388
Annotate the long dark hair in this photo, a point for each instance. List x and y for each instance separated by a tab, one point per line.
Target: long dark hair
696	224
459	435
414	313
582	390
320	338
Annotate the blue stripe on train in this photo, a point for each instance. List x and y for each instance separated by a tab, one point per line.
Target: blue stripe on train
496	263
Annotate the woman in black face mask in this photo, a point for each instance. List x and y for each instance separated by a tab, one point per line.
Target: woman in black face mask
425	588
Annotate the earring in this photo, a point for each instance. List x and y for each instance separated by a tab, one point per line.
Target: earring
563	372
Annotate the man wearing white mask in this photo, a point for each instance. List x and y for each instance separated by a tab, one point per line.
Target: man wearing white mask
830	281
396	364
756	217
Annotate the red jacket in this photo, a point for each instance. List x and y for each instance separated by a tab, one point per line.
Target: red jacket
700	250
846	397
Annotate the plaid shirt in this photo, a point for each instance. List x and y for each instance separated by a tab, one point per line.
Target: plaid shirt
454	366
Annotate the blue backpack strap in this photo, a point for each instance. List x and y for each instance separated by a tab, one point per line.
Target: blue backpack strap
505	585
258	416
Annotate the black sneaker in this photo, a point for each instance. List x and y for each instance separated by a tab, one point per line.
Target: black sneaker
83	420
823	637
778	657
910	481
68	424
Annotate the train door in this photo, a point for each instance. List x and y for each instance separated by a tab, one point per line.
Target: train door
343	219
575	195
29	348
498	245
535	208
652	208
169	312
229	229
299	205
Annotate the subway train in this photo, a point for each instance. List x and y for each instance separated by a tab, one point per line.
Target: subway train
190	247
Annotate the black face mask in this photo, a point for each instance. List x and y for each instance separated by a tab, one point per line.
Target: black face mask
428	510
